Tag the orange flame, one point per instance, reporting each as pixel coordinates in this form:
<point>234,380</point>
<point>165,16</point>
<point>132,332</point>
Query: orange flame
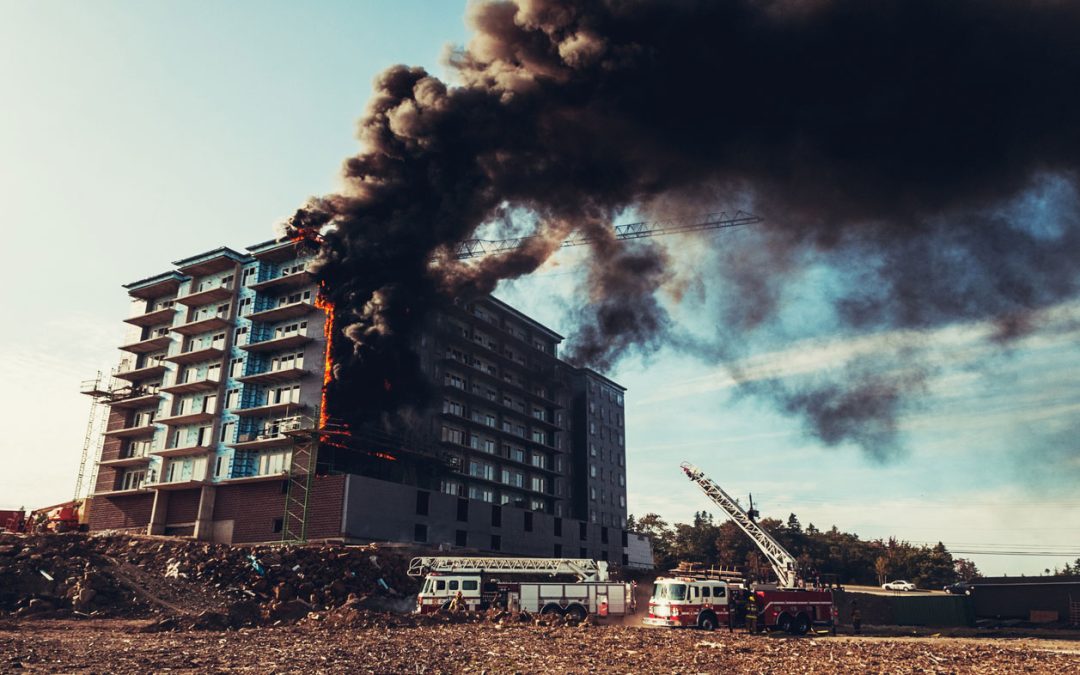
<point>324,303</point>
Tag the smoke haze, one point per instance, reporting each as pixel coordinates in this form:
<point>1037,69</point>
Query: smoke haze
<point>924,153</point>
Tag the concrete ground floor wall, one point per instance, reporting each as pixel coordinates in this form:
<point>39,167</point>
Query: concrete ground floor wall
<point>379,510</point>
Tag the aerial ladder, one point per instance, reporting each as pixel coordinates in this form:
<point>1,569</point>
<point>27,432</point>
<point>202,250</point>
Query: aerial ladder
<point>783,563</point>
<point>584,569</point>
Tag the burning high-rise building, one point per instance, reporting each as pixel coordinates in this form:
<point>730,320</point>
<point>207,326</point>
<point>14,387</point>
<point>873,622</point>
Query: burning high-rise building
<point>219,428</point>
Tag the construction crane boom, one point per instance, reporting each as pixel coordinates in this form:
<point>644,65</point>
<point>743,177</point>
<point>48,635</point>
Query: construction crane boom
<point>584,569</point>
<point>783,563</point>
<point>475,248</point>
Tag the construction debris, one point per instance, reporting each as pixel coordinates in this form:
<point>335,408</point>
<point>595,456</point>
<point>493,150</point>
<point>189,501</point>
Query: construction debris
<point>192,584</point>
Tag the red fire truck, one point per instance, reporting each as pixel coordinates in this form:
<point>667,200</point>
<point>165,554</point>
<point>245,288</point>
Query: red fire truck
<point>695,599</point>
<point>530,584</point>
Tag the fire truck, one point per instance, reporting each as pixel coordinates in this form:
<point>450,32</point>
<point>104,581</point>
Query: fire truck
<point>705,601</point>
<point>569,587</point>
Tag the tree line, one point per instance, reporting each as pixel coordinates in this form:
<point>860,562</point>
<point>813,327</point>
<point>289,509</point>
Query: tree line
<point>831,555</point>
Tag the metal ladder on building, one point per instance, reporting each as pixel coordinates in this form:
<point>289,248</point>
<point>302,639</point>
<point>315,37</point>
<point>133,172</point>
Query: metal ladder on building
<point>298,492</point>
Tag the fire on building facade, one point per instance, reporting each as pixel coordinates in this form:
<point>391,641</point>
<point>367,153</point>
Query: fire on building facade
<point>214,428</point>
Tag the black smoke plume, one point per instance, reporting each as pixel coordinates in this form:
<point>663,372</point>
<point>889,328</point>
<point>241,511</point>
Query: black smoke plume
<point>896,141</point>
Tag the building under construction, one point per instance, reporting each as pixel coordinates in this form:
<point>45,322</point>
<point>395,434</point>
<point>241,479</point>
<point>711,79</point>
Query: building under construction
<point>214,424</point>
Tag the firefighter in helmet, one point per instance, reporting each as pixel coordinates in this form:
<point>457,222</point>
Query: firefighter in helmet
<point>751,612</point>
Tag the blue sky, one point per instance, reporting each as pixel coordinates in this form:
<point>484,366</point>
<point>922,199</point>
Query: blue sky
<point>133,134</point>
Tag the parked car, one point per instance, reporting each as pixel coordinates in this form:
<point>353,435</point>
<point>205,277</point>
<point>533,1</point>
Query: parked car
<point>959,588</point>
<point>898,585</point>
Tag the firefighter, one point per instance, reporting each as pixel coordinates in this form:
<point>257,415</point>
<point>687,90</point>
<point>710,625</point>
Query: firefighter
<point>457,604</point>
<point>751,613</point>
<point>856,617</point>
<point>835,618</point>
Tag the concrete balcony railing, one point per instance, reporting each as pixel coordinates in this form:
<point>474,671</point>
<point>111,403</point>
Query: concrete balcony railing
<point>192,385</point>
<point>154,317</point>
<point>207,296</point>
<point>275,434</point>
<point>127,370</point>
<point>291,310</point>
<point>198,354</point>
<point>274,343</point>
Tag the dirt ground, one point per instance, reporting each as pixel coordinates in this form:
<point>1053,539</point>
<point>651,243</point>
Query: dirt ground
<point>117,646</point>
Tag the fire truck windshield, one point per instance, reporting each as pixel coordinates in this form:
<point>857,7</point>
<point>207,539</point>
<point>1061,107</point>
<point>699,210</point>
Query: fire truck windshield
<point>669,592</point>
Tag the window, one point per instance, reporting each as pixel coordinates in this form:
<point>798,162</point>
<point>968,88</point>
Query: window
<point>496,516</point>
<point>517,454</point>
<point>622,501</point>
<point>279,524</point>
<point>236,367</point>
<point>220,467</point>
<point>483,494</point>
<point>539,460</point>
<point>450,487</point>
<point>132,479</point>
<point>603,535</point>
<point>420,532</point>
<point>422,499</point>
<point>583,531</point>
<point>539,437</point>
<point>481,470</point>
<point>592,428</point>
<point>286,394</point>
<point>592,493</point>
<point>706,592</point>
<point>273,462</point>
<point>537,484</point>
<point>592,471</point>
<point>528,522</point>
<point>496,543</point>
<point>463,510</point>
<point>451,435</point>
<point>249,272</point>
<point>455,381</point>
<point>558,527</point>
<point>489,446</point>
<point>461,538</point>
<point>592,449</point>
<point>453,408</point>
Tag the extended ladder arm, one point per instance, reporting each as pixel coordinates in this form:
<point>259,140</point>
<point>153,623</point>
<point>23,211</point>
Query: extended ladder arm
<point>583,569</point>
<point>783,564</point>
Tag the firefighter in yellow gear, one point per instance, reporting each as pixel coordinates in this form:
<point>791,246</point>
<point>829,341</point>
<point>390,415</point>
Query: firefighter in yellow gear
<point>457,604</point>
<point>751,613</point>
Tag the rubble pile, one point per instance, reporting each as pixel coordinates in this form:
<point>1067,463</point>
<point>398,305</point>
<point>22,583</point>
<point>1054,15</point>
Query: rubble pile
<point>194,584</point>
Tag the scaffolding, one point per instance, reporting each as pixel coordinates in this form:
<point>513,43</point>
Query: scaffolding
<point>301,472</point>
<point>99,390</point>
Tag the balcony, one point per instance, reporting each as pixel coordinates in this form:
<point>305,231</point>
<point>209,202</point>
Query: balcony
<point>178,452</point>
<point>123,492</point>
<point>199,417</point>
<point>273,435</point>
<point>211,262</point>
<point>196,355</point>
<point>182,484</point>
<point>288,341</point>
<point>153,344</point>
<point>271,410</point>
<point>207,296</point>
<point>289,311</point>
<point>202,325</point>
<point>128,398</point>
<point>285,282</point>
<point>260,478</point>
<point>191,386</point>
<point>152,318</point>
<point>143,431</point>
<point>126,372</point>
<point>272,376</point>
<point>119,462</point>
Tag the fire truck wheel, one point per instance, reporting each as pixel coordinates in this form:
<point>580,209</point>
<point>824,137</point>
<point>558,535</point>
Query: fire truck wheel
<point>783,622</point>
<point>707,621</point>
<point>801,625</point>
<point>552,609</point>
<point>576,613</point>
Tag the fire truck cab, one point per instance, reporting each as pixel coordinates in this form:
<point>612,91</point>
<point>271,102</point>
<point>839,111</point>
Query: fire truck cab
<point>686,601</point>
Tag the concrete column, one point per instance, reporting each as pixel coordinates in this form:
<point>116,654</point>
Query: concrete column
<point>157,513</point>
<point>204,520</point>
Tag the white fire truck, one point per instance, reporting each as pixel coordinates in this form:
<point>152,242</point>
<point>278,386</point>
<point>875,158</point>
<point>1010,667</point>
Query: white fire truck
<point>696,600</point>
<point>530,584</point>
